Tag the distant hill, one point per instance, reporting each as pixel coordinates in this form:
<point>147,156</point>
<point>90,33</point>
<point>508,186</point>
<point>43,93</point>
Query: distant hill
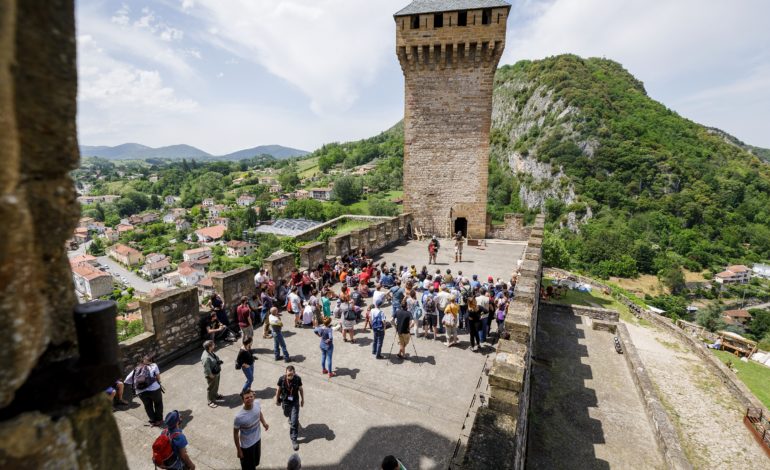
<point>138,151</point>
<point>132,151</point>
<point>760,152</point>
<point>278,151</point>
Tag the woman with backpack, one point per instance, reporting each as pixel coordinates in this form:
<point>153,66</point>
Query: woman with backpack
<point>146,380</point>
<point>348,320</point>
<point>327,345</point>
<point>474,323</point>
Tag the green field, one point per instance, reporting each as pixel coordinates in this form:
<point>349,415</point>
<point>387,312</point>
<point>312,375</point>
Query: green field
<point>350,225</point>
<point>755,376</point>
<point>595,298</point>
<point>307,168</point>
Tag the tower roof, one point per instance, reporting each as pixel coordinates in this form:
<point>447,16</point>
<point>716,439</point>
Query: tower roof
<point>435,6</point>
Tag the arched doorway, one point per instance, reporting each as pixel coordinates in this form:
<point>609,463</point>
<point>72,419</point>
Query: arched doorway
<point>461,225</point>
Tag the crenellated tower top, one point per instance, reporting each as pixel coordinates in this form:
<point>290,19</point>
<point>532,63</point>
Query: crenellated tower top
<point>451,33</point>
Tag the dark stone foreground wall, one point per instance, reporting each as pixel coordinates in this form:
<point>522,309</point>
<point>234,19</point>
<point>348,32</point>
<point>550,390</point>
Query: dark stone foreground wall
<point>38,149</point>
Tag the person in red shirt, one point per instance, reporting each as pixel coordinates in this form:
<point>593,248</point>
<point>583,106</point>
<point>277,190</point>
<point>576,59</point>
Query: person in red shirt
<point>244,318</point>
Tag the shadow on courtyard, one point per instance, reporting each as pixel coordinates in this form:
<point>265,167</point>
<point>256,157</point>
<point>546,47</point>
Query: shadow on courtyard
<point>562,434</point>
<point>416,447</point>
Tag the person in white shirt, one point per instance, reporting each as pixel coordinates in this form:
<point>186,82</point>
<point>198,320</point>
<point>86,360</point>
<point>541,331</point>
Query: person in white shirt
<point>146,381</point>
<point>296,306</point>
<point>247,433</point>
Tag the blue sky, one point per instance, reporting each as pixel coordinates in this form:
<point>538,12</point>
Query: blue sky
<point>223,75</point>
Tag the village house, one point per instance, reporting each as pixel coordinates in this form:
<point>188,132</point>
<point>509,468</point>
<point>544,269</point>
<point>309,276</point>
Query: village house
<point>237,248</point>
<point>208,202</point>
<point>156,268</point>
<point>110,235</point>
<point>188,275</point>
<point>153,178</point>
<point>736,317</point>
<point>125,255</point>
<point>278,203</point>
<point>321,194</point>
<point>218,221</point>
<point>85,222</point>
<point>97,227</point>
<point>196,253</point>
<point>94,199</point>
<point>123,228</point>
<point>182,224</point>
<point>211,234</point>
<point>736,274</point>
<point>217,210</point>
<point>301,194</point>
<point>275,188</point>
<point>146,218</point>
<point>84,258</point>
<point>90,282</point>
<point>245,200</point>
<point>154,257</point>
<point>169,200</point>
<point>80,235</point>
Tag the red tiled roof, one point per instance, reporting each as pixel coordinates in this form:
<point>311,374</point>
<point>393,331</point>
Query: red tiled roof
<point>737,313</point>
<point>125,250</point>
<point>88,272</point>
<point>737,268</point>
<point>214,232</point>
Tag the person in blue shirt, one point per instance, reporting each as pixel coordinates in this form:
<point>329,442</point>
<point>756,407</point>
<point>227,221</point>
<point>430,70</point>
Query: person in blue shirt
<point>178,442</point>
<point>327,345</point>
<point>397,294</point>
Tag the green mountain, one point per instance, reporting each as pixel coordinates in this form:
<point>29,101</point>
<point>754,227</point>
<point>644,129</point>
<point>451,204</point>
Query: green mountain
<point>627,184</point>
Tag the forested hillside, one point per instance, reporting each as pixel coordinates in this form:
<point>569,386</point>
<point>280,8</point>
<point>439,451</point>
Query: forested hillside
<point>581,140</point>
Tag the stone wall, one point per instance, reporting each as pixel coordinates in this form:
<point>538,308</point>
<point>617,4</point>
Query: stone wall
<point>38,149</point>
<point>359,239</point>
<point>591,312</point>
<point>171,322</point>
<point>234,284</point>
<point>340,245</point>
<point>279,265</point>
<point>311,255</point>
<point>313,232</point>
<point>513,228</point>
<point>507,416</point>
<point>448,74</point>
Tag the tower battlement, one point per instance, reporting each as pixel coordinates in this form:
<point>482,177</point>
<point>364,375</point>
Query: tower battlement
<point>449,50</point>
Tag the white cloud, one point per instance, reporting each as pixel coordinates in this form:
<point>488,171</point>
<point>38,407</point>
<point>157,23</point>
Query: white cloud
<point>329,49</point>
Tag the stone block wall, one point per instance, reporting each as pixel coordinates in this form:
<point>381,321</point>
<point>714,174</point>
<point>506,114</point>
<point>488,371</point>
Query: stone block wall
<point>279,265</point>
<point>602,314</point>
<point>171,322</point>
<point>234,284</point>
<point>449,74</point>
<point>312,254</point>
<point>360,239</point>
<point>507,415</point>
<point>339,245</point>
<point>38,149</point>
<point>513,228</point>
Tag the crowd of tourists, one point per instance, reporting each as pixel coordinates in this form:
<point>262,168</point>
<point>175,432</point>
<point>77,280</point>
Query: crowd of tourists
<point>335,296</point>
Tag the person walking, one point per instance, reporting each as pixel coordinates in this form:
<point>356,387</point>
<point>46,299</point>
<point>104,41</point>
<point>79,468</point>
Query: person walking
<point>432,250</point>
<point>459,240</point>
<point>378,330</point>
<point>146,381</point>
<point>212,367</point>
<point>247,433</point>
<point>404,324</point>
<point>482,300</point>
<point>279,344</point>
<point>451,313</point>
<point>245,362</point>
<point>175,457</point>
<point>244,318</point>
<point>267,301</point>
<point>430,313</point>
<point>327,345</point>
<point>291,397</point>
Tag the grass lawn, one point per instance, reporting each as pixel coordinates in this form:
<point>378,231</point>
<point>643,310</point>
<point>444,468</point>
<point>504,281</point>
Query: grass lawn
<point>755,376</point>
<point>350,225</point>
<point>307,168</point>
<point>595,298</point>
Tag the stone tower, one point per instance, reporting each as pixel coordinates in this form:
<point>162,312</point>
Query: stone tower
<point>448,50</point>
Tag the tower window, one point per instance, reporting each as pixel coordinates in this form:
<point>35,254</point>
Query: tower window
<point>438,20</point>
<point>415,21</point>
<point>462,18</point>
<point>486,16</point>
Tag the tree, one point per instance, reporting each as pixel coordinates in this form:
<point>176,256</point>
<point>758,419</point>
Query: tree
<point>250,218</point>
<point>555,252</point>
<point>96,248</point>
<point>305,209</point>
<point>382,207</point>
<point>264,211</point>
<point>710,318</point>
<point>155,202</point>
<point>347,190</point>
<point>759,326</point>
<point>288,177</point>
<point>673,278</point>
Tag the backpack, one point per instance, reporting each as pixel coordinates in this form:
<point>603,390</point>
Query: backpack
<point>377,322</point>
<point>430,304</point>
<point>142,377</point>
<point>163,453</point>
<point>417,312</point>
<point>350,314</point>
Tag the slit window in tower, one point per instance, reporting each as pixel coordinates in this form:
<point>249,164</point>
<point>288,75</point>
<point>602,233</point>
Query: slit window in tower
<point>415,21</point>
<point>438,20</point>
<point>486,16</point>
<point>462,18</point>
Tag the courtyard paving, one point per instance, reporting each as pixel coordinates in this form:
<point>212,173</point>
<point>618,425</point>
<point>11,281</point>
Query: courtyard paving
<point>420,409</point>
